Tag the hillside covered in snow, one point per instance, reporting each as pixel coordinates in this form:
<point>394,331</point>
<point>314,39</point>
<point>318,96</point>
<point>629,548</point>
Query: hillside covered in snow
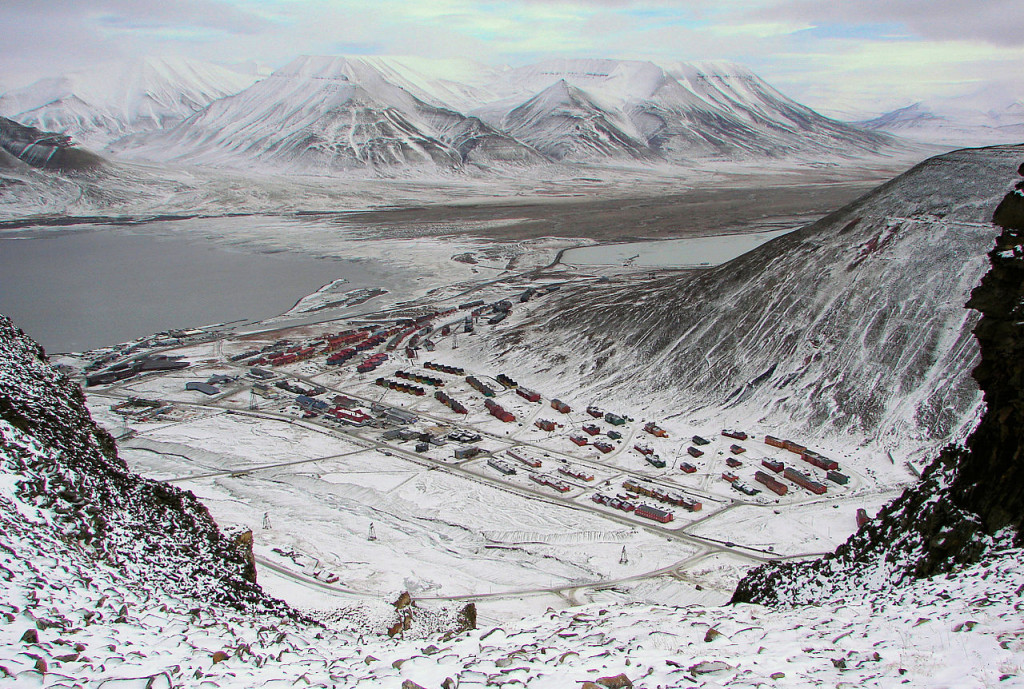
<point>853,326</point>
<point>970,500</point>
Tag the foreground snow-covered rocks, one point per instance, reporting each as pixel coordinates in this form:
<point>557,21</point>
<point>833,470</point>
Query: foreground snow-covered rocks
<point>73,614</point>
<point>65,621</point>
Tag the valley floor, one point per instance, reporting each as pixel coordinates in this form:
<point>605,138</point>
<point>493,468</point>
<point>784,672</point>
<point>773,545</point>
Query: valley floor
<point>447,528</point>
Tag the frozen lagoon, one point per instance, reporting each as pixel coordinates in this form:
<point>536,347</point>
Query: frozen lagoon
<point>695,252</point>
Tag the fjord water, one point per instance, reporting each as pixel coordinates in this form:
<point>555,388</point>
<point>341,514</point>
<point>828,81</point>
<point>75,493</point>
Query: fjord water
<point>85,287</point>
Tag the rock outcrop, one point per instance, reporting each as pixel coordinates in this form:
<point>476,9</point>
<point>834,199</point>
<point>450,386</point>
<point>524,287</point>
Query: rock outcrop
<point>64,468</point>
<point>46,150</point>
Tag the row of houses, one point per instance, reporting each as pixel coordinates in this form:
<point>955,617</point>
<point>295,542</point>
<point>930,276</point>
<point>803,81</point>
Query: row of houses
<point>450,402</point>
<point>658,493</point>
<point>400,386</point>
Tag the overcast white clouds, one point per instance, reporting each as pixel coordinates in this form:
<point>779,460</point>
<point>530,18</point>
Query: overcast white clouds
<point>865,55</point>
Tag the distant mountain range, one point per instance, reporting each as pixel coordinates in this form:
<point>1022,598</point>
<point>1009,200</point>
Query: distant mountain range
<point>99,105</point>
<point>330,113</point>
<point>954,123</point>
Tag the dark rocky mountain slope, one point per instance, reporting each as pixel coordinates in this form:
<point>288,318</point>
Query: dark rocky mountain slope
<point>971,497</point>
<point>61,468</point>
<point>46,150</point>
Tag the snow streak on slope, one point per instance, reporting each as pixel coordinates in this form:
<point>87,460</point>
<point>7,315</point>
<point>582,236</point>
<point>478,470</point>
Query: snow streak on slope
<point>100,105</point>
<point>853,325</point>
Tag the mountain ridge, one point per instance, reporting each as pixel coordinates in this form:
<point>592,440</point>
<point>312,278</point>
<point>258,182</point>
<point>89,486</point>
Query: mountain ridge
<point>102,104</point>
<point>607,109</point>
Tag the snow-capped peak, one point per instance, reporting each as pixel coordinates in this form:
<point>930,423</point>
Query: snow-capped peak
<point>103,103</point>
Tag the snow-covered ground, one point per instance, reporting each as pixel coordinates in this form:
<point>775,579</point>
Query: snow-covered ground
<point>88,629</point>
<point>445,528</point>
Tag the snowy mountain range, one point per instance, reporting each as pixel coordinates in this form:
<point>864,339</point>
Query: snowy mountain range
<point>328,112</point>
<point>956,122</point>
<point>99,105</point>
<point>321,112</point>
<point>630,108</point>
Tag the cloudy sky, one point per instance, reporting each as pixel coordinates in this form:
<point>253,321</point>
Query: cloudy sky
<point>844,57</point>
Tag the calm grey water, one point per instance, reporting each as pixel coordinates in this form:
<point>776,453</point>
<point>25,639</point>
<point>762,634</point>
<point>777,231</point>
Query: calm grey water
<point>86,288</point>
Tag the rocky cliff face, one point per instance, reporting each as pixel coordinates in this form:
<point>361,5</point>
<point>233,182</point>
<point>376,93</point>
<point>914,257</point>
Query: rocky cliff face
<point>62,473</point>
<point>970,498</point>
<point>46,150</point>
